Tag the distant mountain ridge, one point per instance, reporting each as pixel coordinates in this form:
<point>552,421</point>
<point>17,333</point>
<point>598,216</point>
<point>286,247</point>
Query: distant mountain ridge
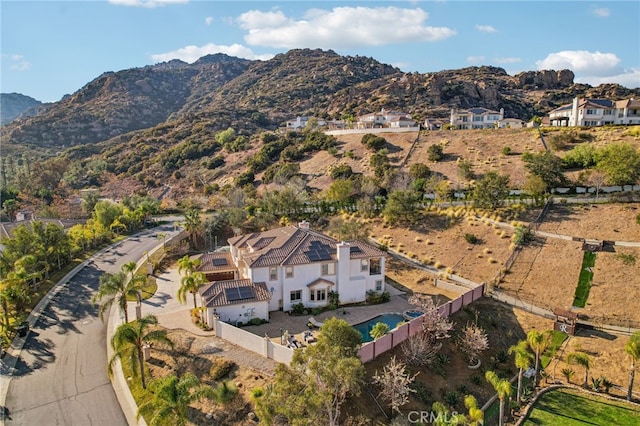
<point>223,91</point>
<point>14,105</point>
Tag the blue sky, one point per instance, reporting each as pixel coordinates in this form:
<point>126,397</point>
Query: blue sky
<point>52,48</point>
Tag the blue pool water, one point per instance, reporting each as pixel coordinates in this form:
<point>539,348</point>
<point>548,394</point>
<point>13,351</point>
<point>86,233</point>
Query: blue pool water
<point>365,327</point>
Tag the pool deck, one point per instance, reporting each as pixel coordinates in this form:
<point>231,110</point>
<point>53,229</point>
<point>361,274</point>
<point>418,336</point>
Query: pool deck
<point>352,314</point>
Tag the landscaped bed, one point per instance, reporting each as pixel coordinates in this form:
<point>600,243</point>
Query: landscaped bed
<point>571,407</point>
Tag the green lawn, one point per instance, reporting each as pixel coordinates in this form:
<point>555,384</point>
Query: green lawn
<point>566,407</point>
<point>558,337</point>
<point>584,280</point>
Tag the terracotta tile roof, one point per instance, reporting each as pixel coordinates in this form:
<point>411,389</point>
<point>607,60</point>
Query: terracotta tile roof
<point>216,262</point>
<point>214,293</point>
<point>291,245</point>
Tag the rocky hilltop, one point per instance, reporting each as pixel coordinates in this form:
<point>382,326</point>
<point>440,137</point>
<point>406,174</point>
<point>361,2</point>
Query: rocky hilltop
<point>250,95</point>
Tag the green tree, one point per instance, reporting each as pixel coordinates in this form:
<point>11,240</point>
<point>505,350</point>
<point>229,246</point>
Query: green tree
<point>128,343</point>
<point>435,153</point>
<point>502,388</point>
<point>538,342</point>
<point>465,170</point>
<point>401,206</point>
<point>419,170</point>
<point>171,398</point>
<point>632,347</point>
<point>118,288</point>
<point>314,387</point>
<point>583,361</point>
<point>522,361</point>
<point>337,332</point>
<point>380,162</point>
<point>341,191</point>
<point>621,162</point>
<point>106,212</point>
<point>546,166</point>
<point>491,191</point>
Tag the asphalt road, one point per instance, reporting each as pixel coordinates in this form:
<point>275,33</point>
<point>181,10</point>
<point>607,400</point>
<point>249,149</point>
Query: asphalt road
<point>60,377</point>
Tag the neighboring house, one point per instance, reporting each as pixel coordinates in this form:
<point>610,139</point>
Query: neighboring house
<point>510,123</point>
<point>596,112</point>
<point>296,265</point>
<point>434,123</point>
<point>301,122</point>
<point>475,118</point>
<point>384,118</point>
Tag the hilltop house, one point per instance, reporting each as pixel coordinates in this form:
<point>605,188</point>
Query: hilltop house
<point>510,123</point>
<point>596,112</point>
<point>475,118</point>
<point>275,269</point>
<point>384,118</point>
<point>301,122</point>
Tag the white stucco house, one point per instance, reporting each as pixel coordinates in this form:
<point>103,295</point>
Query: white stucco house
<point>475,118</point>
<point>596,112</point>
<point>291,264</point>
<point>385,118</point>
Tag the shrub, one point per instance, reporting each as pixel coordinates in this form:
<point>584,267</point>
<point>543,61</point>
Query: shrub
<point>435,153</point>
<point>423,394</point>
<point>451,398</point>
<point>375,298</point>
<point>471,238</point>
<point>373,142</point>
<point>506,150</point>
<point>221,368</point>
<point>341,171</point>
<point>297,308</point>
<point>256,321</point>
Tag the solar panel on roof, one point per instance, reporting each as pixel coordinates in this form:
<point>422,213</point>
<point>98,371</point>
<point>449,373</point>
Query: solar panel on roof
<point>312,256</point>
<point>246,292</point>
<point>324,255</point>
<point>220,262</point>
<point>232,294</point>
<point>355,250</point>
<point>239,293</point>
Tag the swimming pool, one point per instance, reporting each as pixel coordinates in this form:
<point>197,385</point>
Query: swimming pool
<point>364,328</point>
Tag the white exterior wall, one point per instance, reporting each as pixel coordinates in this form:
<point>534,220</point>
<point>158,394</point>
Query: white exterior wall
<point>303,275</point>
<point>241,312</point>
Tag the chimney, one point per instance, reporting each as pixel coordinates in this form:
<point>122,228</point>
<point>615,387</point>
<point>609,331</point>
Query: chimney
<point>303,225</point>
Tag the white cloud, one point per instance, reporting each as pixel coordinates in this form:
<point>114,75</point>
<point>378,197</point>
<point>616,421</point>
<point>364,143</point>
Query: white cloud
<point>341,27</point>
<point>208,20</point>
<point>146,3</point>
<point>601,12</point>
<point>628,78</point>
<point>191,54</point>
<point>475,60</point>
<point>486,29</point>
<point>511,60</point>
<point>17,62</point>
<point>592,68</point>
<point>581,62</point>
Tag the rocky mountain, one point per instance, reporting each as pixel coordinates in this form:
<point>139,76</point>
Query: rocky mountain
<point>159,123</point>
<point>14,105</point>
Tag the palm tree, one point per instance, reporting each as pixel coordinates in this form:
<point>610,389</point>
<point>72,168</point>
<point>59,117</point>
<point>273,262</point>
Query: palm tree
<point>118,288</point>
<point>188,265</point>
<point>538,342</point>
<point>129,340</point>
<point>171,398</point>
<point>632,347</point>
<point>583,361</point>
<point>192,224</point>
<point>502,388</point>
<point>522,361</point>
<point>190,283</point>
